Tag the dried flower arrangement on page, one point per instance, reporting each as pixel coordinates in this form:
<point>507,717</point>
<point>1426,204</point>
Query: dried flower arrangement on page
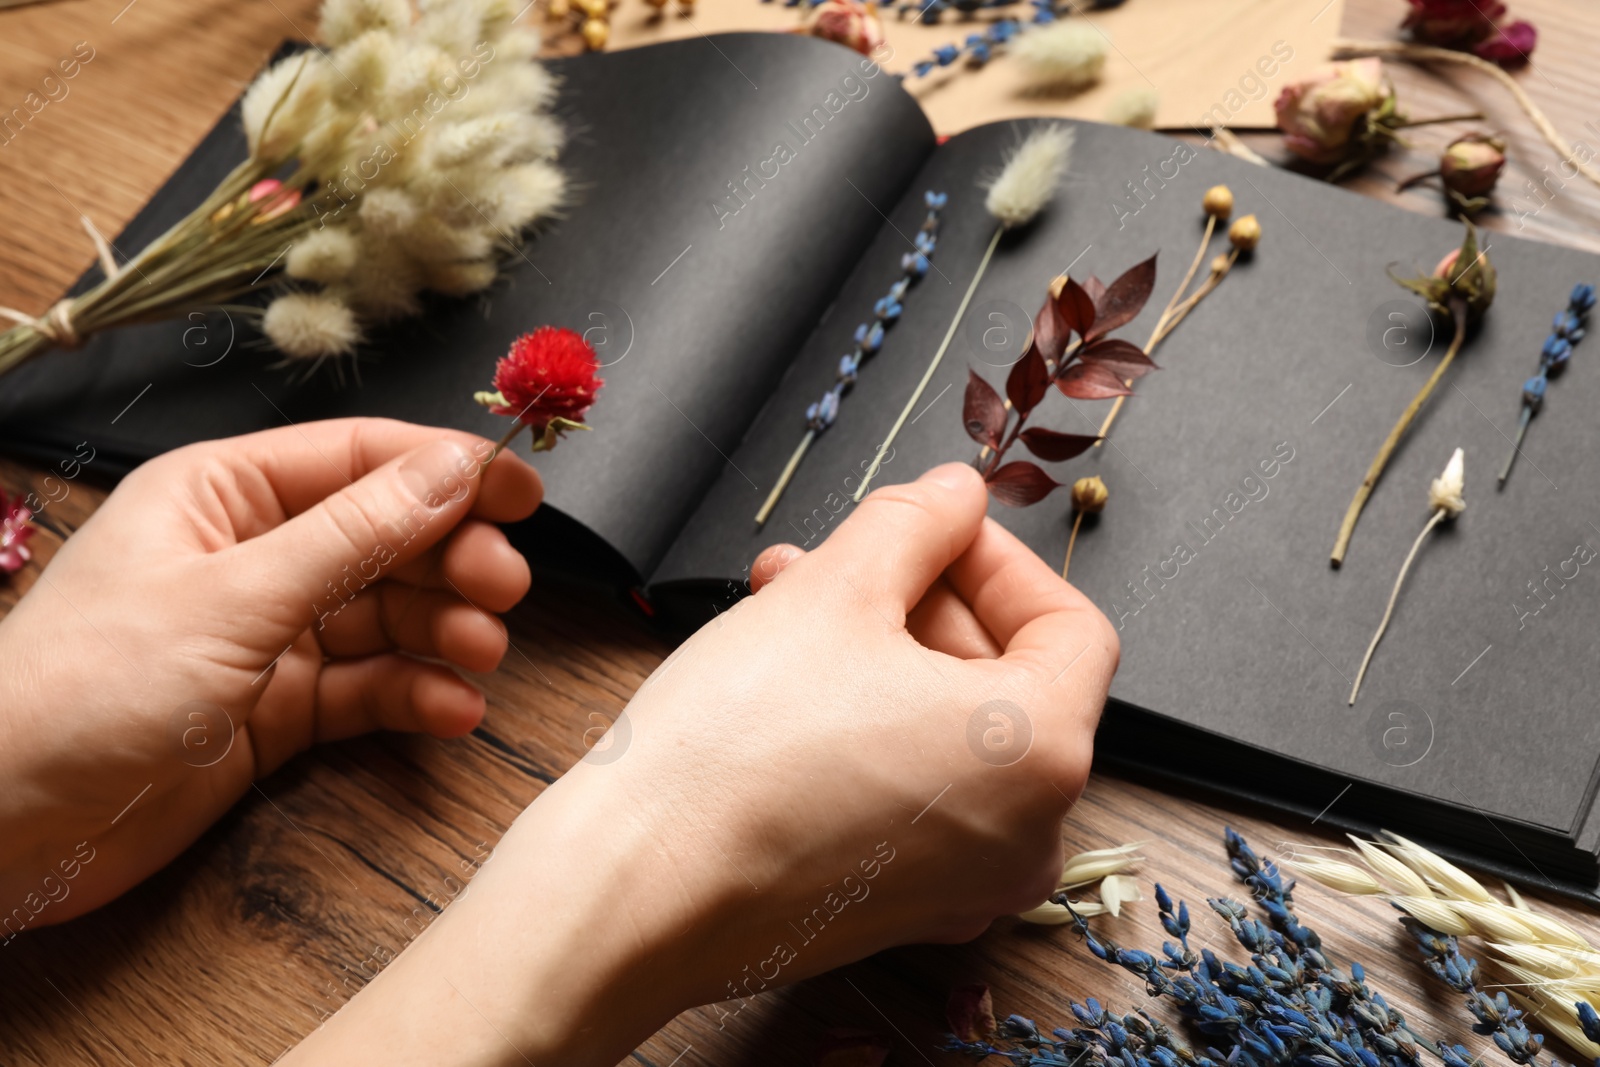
<point>409,156</point>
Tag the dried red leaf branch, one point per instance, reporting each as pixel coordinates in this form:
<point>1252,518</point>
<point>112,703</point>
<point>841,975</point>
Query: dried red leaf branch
<point>1092,367</point>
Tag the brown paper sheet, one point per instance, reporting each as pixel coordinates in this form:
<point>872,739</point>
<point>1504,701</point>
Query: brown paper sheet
<point>1209,61</point>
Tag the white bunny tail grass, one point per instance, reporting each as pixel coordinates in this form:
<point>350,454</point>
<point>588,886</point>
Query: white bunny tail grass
<point>1134,107</point>
<point>1061,57</point>
<point>310,326</point>
<point>1030,176</point>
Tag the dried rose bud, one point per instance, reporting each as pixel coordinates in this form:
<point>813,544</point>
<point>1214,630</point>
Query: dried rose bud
<point>1090,494</point>
<point>1340,114</point>
<point>850,23</point>
<point>1218,201</point>
<point>1472,164</point>
<point>1245,233</point>
<point>1464,274</point>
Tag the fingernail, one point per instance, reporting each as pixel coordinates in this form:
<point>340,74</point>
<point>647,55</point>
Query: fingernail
<point>951,475</point>
<point>439,473</point>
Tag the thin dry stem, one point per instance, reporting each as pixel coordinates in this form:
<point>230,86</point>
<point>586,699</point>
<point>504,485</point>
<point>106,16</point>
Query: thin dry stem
<point>1438,517</point>
<point>1072,540</point>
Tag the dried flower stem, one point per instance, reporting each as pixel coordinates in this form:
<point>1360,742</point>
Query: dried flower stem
<point>933,366</point>
<point>1173,314</point>
<point>1438,517</point>
<point>1077,521</point>
<point>1458,312</point>
<point>783,479</point>
<point>1417,53</point>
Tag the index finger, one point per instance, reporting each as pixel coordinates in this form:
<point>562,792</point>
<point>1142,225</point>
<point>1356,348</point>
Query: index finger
<point>304,463</point>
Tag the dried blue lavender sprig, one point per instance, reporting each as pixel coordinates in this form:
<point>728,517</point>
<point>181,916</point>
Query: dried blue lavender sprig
<point>868,340</point>
<point>1289,1007</point>
<point>1567,330</point>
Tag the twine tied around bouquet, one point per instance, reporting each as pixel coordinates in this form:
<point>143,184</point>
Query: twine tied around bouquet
<point>56,325</point>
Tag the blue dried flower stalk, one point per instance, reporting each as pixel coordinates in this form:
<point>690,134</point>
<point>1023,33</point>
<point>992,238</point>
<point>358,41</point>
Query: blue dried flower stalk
<point>979,48</point>
<point>1288,1007</point>
<point>868,340</point>
<point>1567,330</point>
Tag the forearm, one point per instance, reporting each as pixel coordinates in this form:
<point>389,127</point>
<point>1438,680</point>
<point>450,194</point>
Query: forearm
<point>566,948</point>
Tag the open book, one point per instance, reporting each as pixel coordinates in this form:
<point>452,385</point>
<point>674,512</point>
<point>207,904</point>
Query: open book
<point>742,203</point>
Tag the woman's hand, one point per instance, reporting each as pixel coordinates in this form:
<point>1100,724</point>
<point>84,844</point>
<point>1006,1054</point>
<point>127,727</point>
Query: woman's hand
<point>230,604</point>
<point>804,782</point>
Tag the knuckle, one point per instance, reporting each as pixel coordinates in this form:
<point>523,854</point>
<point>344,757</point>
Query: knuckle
<point>352,519</point>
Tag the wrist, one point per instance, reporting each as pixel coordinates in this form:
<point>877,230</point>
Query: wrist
<point>572,944</point>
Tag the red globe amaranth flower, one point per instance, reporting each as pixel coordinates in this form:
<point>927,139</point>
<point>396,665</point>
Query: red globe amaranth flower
<point>548,374</point>
<point>1509,45</point>
<point>16,528</point>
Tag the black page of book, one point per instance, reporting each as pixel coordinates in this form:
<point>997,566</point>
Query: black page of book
<point>1255,638</point>
<point>696,309</point>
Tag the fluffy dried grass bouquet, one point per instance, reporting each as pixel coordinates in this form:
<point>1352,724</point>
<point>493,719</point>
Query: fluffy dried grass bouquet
<point>407,156</point>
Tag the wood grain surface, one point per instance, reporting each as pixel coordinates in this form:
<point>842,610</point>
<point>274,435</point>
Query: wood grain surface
<point>296,898</point>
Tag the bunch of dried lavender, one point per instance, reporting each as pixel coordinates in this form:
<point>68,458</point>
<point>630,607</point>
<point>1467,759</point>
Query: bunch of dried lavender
<point>1289,1007</point>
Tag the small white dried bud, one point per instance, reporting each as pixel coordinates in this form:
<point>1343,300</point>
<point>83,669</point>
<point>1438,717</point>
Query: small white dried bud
<point>310,326</point>
<point>1445,492</point>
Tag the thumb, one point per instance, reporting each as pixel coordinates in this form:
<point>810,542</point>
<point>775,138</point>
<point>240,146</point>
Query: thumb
<point>324,556</point>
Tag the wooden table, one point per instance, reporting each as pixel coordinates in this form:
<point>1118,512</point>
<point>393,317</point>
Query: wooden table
<point>295,899</point>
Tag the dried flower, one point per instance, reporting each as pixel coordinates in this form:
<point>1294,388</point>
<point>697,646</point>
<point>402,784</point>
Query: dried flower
<point>1446,502</point>
<point>1064,56</point>
<point>1218,202</point>
<point>868,340</point>
<point>311,326</point>
<point>547,381</point>
<point>16,529</point>
<point>1567,330</point>
<point>849,22</point>
<point>1090,494</point>
<point>1344,112</point>
<point>1472,26</point>
<point>1471,164</point>
<point>1025,185</point>
<point>1245,233</point>
<point>423,138</point>
<point>1288,1004</point>
<point>1030,176</point>
<point>1509,46</point>
<point>1085,869</point>
<point>1135,107</point>
<point>1462,292</point>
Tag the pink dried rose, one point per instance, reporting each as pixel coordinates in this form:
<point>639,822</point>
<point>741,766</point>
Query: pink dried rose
<point>1472,26</point>
<point>850,23</point>
<point>1344,112</point>
<point>1458,24</point>
<point>16,527</point>
<point>1509,45</point>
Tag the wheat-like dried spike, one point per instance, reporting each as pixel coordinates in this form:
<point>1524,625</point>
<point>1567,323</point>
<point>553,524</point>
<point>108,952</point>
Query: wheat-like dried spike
<point>1438,914</point>
<point>1390,869</point>
<point>1440,872</point>
<point>1336,874</point>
